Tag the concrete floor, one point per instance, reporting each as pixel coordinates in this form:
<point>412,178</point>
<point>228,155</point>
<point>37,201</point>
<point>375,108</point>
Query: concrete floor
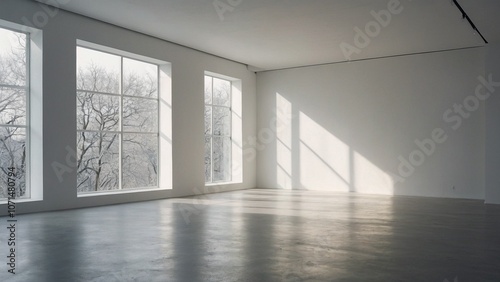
<point>262,235</point>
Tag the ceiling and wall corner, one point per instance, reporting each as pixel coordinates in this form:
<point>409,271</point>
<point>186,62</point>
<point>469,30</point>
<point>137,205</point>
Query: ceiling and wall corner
<point>289,33</point>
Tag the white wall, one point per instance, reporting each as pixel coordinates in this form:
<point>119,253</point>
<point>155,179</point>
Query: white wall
<point>343,127</point>
<point>59,117</point>
<point>493,128</point>
<point>340,127</point>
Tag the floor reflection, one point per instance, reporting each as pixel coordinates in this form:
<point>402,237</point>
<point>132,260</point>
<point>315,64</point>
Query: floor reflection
<point>264,235</point>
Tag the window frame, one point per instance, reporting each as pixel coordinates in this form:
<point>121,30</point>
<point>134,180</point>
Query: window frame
<point>160,65</point>
<point>34,111</point>
<point>222,137</point>
<point>27,95</point>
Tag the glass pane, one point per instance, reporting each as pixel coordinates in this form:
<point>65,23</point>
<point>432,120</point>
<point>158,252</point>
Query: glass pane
<point>98,161</point>
<point>208,90</point>
<point>140,115</point>
<point>208,120</point>
<point>140,78</point>
<point>12,58</point>
<point>12,106</point>
<point>13,155</point>
<point>97,112</point>
<point>208,159</point>
<point>222,92</point>
<point>221,159</point>
<point>98,71</point>
<point>140,160</point>
<point>222,121</point>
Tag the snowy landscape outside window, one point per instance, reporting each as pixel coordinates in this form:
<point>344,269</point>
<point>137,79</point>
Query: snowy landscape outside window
<point>217,130</point>
<point>117,122</point>
<point>14,110</point>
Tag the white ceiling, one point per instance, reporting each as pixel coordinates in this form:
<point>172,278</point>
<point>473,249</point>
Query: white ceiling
<point>287,33</point>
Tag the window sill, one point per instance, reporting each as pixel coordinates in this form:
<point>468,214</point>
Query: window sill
<point>222,183</point>
<point>120,192</point>
<point>18,201</point>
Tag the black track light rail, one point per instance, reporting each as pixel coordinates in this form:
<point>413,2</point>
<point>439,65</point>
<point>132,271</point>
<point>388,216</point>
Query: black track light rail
<point>465,16</point>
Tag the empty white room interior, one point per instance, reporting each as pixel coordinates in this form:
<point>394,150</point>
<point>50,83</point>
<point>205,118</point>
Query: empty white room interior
<point>249,140</point>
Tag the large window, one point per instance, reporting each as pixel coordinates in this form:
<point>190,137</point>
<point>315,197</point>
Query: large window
<point>218,130</point>
<point>14,111</point>
<point>117,122</point>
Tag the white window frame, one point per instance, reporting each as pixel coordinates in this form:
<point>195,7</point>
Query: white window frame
<point>235,124</point>
<point>164,131</point>
<point>34,111</point>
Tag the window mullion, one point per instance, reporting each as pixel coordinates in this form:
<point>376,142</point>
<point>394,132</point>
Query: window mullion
<point>120,139</point>
<point>212,133</point>
<point>158,124</point>
<point>230,168</point>
<point>14,125</point>
<point>97,92</point>
<point>22,87</point>
<point>27,83</point>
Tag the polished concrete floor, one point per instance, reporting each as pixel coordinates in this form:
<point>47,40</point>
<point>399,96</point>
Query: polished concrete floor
<point>262,235</point>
